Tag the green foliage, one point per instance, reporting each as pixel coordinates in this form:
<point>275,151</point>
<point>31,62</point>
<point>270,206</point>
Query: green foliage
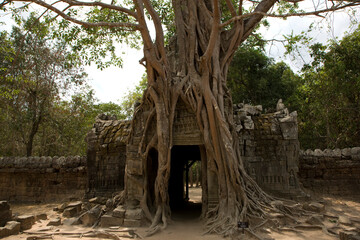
<point>6,57</point>
<point>295,44</point>
<point>287,7</point>
<point>34,74</point>
<point>326,96</point>
<point>64,132</point>
<point>70,121</point>
<point>331,92</point>
<point>132,98</point>
<point>254,78</point>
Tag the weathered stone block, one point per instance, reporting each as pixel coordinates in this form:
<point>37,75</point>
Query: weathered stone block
<point>349,236</point>
<point>318,153</point>
<point>71,221</point>
<point>119,212</point>
<point>248,123</point>
<point>88,219</point>
<point>135,214</point>
<point>132,223</point>
<point>109,221</point>
<point>54,222</point>
<point>41,216</point>
<point>346,152</point>
<point>355,151</point>
<point>60,208</point>
<point>252,110</point>
<point>5,213</point>
<point>289,130</point>
<point>77,205</point>
<point>135,188</point>
<point>70,212</point>
<point>26,221</point>
<point>11,228</point>
<point>134,167</point>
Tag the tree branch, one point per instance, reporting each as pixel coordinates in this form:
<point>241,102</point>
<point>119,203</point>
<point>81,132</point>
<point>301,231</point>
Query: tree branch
<point>231,8</point>
<point>157,23</point>
<point>4,3</point>
<point>314,13</point>
<point>149,50</point>
<point>214,31</point>
<point>100,4</point>
<point>130,26</point>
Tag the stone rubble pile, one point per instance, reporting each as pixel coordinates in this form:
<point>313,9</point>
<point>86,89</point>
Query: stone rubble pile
<point>95,212</point>
<point>12,225</point>
<point>99,212</point>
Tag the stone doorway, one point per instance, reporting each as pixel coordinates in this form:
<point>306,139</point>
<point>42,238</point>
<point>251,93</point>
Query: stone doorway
<point>183,158</point>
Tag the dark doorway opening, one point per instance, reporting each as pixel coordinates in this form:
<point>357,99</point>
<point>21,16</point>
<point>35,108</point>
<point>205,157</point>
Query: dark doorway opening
<point>151,168</point>
<point>182,203</point>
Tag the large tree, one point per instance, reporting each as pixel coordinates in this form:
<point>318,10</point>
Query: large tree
<point>331,91</point>
<point>192,68</point>
<point>255,78</point>
<point>34,74</point>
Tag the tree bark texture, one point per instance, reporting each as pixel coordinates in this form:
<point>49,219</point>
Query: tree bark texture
<point>194,69</point>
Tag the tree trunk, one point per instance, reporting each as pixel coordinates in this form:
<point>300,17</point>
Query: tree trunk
<point>196,72</point>
<point>29,146</point>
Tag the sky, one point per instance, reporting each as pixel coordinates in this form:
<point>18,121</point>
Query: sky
<point>113,83</point>
<point>335,26</point>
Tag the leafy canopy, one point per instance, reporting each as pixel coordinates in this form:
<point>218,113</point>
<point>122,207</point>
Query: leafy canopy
<point>331,94</point>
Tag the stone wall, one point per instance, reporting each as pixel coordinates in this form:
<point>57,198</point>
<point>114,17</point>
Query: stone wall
<point>106,156</point>
<point>42,179</point>
<point>269,147</point>
<point>335,172</point>
<point>268,142</point>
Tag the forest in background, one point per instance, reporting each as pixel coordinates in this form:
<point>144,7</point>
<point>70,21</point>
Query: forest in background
<point>47,108</point>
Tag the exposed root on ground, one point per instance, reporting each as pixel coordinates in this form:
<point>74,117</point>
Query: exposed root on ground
<point>103,234</point>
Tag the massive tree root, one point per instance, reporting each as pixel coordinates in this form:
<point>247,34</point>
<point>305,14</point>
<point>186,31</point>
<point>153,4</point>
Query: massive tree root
<point>193,70</point>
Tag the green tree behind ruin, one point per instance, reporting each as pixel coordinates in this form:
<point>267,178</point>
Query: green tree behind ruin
<point>37,115</point>
<point>257,79</point>
<point>34,74</point>
<point>330,95</point>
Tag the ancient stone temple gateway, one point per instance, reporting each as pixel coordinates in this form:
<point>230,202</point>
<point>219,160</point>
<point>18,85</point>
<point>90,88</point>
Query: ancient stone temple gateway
<point>268,142</point>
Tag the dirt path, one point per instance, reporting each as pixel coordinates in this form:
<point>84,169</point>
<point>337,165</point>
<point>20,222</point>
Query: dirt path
<point>340,215</point>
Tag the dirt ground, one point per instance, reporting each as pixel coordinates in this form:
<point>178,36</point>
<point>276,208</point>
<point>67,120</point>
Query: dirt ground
<point>339,215</point>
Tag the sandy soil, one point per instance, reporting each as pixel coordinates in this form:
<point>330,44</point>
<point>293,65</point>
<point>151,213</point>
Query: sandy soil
<point>192,229</point>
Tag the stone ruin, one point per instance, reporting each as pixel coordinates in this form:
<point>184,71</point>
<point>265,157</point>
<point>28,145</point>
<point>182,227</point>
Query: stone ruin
<point>42,179</point>
<point>106,156</point>
<point>269,148</point>
<point>331,172</point>
<point>268,142</point>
